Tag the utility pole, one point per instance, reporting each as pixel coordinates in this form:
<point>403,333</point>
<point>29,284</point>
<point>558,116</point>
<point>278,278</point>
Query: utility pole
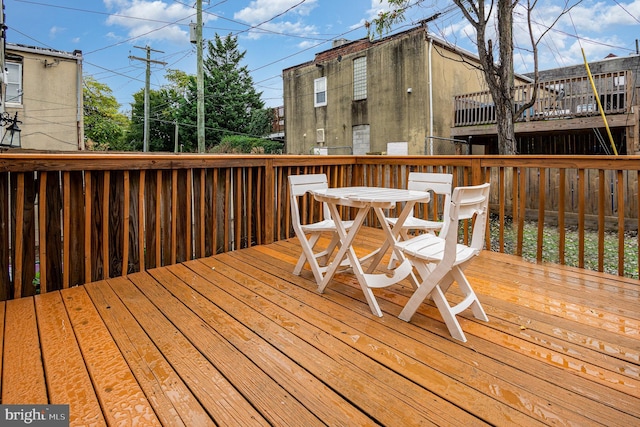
<point>148,60</point>
<point>200,80</point>
<point>175,137</point>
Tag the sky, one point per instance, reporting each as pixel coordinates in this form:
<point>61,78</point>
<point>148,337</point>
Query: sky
<point>277,34</point>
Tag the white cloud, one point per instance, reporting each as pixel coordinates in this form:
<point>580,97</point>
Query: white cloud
<point>595,26</point>
<point>153,20</point>
<point>592,26</point>
<point>600,17</point>
<point>263,12</point>
<point>306,45</point>
<point>377,6</point>
<point>372,13</point>
<point>54,31</point>
<point>295,28</point>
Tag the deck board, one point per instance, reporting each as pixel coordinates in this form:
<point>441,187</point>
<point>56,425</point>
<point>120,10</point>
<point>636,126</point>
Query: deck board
<point>327,405</point>
<point>238,369</point>
<point>567,405</point>
<point>237,339</point>
<point>370,339</point>
<point>117,389</point>
<point>21,355</point>
<point>217,394</point>
<point>67,377</point>
<point>173,401</point>
<point>374,388</point>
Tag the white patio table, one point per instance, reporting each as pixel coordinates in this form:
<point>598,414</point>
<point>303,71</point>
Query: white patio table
<point>363,199</point>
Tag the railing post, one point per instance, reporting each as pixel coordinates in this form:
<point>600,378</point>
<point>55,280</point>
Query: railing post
<point>633,132</point>
<point>269,200</point>
<point>477,177</point>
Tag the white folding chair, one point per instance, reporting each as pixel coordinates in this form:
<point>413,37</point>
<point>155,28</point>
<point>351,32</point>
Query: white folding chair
<point>439,184</point>
<point>441,260</point>
<point>299,185</point>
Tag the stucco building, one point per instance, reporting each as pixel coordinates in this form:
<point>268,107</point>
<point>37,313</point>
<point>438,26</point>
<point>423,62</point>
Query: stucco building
<point>359,96</point>
<point>44,88</point>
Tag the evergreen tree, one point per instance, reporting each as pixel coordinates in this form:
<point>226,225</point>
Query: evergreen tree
<point>232,105</point>
<point>260,123</point>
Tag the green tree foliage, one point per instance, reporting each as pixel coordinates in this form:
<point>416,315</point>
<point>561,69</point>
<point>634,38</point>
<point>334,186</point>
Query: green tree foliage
<point>164,114</point>
<point>232,105</point>
<point>104,125</point>
<point>260,123</point>
<point>240,144</point>
<point>161,121</point>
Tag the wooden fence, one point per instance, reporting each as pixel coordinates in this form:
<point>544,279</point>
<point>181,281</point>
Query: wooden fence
<point>68,219</point>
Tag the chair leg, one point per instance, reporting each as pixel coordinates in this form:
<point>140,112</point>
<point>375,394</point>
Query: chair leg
<point>471,299</point>
<point>448,312</point>
<point>324,256</point>
<point>300,264</point>
<point>423,291</point>
<point>404,234</point>
<point>392,261</point>
<point>308,256</point>
<point>447,315</point>
<point>303,256</point>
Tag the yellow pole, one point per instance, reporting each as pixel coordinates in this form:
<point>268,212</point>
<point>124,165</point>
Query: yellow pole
<point>595,92</point>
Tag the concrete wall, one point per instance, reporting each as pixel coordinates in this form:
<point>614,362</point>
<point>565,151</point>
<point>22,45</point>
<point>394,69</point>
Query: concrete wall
<point>452,75</point>
<point>397,107</point>
<point>51,100</point>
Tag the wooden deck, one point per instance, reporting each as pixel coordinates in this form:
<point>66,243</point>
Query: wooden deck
<point>238,340</point>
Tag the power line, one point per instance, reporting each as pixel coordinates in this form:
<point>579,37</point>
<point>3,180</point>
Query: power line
<point>450,10</point>
<point>628,13</point>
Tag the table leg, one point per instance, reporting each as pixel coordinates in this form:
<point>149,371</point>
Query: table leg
<point>391,237</point>
<point>346,249</point>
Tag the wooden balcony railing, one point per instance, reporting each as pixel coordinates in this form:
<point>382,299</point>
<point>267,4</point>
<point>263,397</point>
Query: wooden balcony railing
<point>70,219</point>
<point>562,98</point>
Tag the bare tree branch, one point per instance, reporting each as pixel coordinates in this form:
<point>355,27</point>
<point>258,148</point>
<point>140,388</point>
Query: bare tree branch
<point>531,4</point>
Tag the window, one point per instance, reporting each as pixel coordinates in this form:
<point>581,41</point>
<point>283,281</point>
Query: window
<point>360,78</point>
<point>320,92</point>
<point>14,83</point>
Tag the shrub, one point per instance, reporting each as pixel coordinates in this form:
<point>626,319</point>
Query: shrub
<point>238,144</point>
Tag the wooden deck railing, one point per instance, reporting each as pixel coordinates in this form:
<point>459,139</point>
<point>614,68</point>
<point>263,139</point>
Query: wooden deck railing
<point>562,98</point>
<point>70,219</point>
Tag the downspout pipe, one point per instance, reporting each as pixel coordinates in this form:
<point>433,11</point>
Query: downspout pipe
<point>80,98</point>
<point>430,98</point>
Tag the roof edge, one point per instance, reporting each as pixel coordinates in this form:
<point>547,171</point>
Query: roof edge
<point>75,55</point>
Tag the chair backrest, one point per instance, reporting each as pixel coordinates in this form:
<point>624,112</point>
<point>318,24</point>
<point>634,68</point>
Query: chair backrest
<point>467,203</point>
<point>438,183</point>
<point>299,185</point>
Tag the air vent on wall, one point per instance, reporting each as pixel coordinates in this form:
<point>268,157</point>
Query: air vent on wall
<point>319,135</point>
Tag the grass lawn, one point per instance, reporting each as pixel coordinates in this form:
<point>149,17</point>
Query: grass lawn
<point>550,247</point>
